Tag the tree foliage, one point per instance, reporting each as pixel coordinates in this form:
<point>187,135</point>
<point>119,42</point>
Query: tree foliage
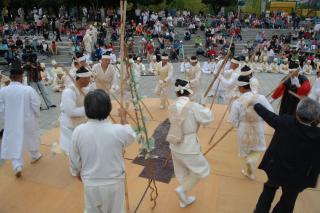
<point>216,5</point>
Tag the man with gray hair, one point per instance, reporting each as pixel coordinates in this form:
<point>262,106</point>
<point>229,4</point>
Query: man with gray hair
<point>292,160</point>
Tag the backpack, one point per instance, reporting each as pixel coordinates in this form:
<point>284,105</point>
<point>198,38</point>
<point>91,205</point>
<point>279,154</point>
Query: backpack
<point>175,134</point>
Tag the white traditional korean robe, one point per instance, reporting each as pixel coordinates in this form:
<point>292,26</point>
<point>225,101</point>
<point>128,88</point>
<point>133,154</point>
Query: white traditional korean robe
<point>207,68</point>
<point>70,109</point>
<point>254,85</point>
<point>193,75</point>
<point>230,85</point>
<point>152,67</point>
<point>307,69</point>
<point>106,80</point>
<point>187,156</point>
<point>140,68</point>
<point>87,40</point>
<point>250,125</point>
<point>58,84</point>
<point>184,66</point>
<point>315,90</point>
<point>284,68</point>
<point>20,110</point>
<point>274,67</point>
<point>97,154</point>
<point>164,74</point>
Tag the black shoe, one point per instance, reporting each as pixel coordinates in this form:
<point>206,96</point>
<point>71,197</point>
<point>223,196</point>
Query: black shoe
<point>53,106</point>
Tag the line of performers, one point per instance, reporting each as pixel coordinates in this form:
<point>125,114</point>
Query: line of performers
<point>248,111</point>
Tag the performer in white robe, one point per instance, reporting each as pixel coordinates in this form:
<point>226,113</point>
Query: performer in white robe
<point>254,82</point>
<point>20,110</point>
<point>96,156</point>
<point>164,72</point>
<point>193,75</point>
<point>231,90</point>
<point>284,68</point>
<point>106,75</point>
<point>208,67</point>
<point>58,82</point>
<point>140,68</point>
<point>72,110</point>
<point>315,90</point>
<point>153,65</point>
<point>185,65</point>
<point>274,67</point>
<point>307,68</point>
<point>87,40</point>
<point>190,166</point>
<point>251,139</point>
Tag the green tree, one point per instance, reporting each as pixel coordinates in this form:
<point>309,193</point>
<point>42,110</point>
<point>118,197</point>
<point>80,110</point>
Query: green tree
<point>216,5</point>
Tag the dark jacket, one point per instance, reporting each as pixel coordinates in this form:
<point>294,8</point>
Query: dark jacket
<point>293,156</point>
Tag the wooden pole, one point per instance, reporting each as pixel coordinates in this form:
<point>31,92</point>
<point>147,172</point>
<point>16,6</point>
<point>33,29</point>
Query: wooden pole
<point>220,122</point>
<point>218,141</point>
<point>225,60</point>
<point>281,82</point>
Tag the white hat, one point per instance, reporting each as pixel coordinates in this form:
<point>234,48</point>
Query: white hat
<point>58,72</point>
<point>43,65</point>
<point>83,73</point>
<point>138,59</point>
<point>154,57</point>
<point>285,60</point>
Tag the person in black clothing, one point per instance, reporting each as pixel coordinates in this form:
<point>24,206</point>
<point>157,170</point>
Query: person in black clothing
<point>292,160</point>
<point>298,84</point>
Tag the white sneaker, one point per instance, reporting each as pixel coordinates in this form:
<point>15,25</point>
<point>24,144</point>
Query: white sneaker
<point>35,160</point>
<point>18,172</point>
<point>182,195</point>
<point>190,199</point>
<point>250,176</point>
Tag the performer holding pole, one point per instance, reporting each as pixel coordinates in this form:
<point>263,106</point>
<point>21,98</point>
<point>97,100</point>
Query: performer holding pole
<point>296,83</point>
<point>251,139</point>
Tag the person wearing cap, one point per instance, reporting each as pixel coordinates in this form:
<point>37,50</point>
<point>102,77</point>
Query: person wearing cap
<point>315,90</point>
<point>251,139</point>
<point>72,110</point>
<point>274,67</point>
<point>185,65</point>
<point>164,71</point>
<point>44,75</point>
<point>297,83</point>
<point>292,159</point>
<point>254,82</point>
<point>153,65</point>
<point>20,110</point>
<point>208,66</point>
<point>307,68</point>
<point>140,68</point>
<point>96,156</point>
<point>231,89</point>
<point>190,166</point>
<point>106,75</point>
<point>193,75</point>
<point>284,68</point>
<point>265,57</point>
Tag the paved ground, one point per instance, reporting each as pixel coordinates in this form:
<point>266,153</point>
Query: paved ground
<point>49,117</point>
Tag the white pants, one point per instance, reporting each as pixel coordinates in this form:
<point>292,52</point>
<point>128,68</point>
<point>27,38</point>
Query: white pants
<point>18,162</point>
<point>107,198</point>
<point>189,164</point>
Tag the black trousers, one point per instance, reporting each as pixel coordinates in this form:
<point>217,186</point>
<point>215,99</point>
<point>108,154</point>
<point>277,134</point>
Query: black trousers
<point>286,202</point>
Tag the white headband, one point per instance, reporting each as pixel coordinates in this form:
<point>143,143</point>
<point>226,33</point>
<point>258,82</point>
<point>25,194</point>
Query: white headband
<point>164,57</point>
<point>242,83</point>
<point>292,70</point>
<point>182,88</point>
<point>234,61</point>
<point>84,74</point>
<point>245,73</point>
<point>193,61</point>
<point>106,57</point>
